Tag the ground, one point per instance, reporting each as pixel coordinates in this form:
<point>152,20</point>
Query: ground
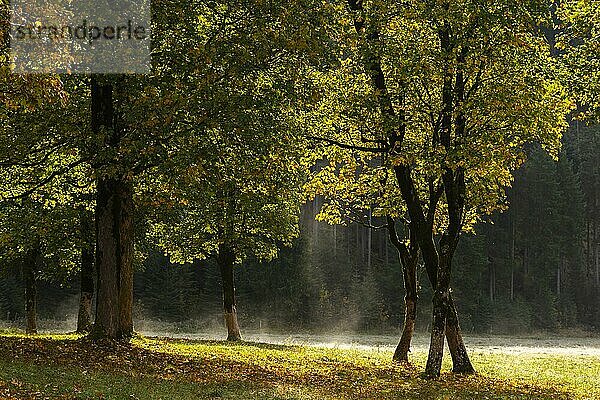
<point>70,367</point>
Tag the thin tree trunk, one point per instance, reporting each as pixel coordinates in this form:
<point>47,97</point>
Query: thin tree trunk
<point>348,240</point>
<point>335,242</point>
<point>558,277</point>
<point>512,255</point>
<point>382,239</point>
<point>86,274</point>
<point>363,244</point>
<point>226,261</point>
<point>597,264</point>
<point>114,230</point>
<point>512,284</point>
<point>588,249</point>
<point>409,257</point>
<point>460,358</point>
<point>410,312</point>
<point>387,254</point>
<point>29,276</point>
<point>369,241</point>
<point>525,261</point>
<point>357,238</point>
<point>315,224</point>
<point>594,249</point>
<point>408,330</point>
<point>492,283</point>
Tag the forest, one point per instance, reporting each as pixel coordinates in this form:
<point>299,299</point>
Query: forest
<point>404,169</point>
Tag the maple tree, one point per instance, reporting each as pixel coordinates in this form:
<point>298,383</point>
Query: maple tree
<point>443,97</point>
<point>241,201</point>
<point>234,193</point>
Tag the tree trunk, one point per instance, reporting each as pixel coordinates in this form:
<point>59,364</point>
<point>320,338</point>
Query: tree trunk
<point>445,323</point>
<point>492,283</point>
<point>512,284</point>
<point>335,242</point>
<point>86,274</point>
<point>597,264</point>
<point>438,330</point>
<point>29,276</point>
<point>114,259</point>
<point>114,230</point>
<point>409,258</point>
<point>588,249</point>
<point>410,316</point>
<point>593,250</point>
<point>558,277</point>
<point>460,358</point>
<point>512,254</point>
<point>369,241</point>
<point>226,261</point>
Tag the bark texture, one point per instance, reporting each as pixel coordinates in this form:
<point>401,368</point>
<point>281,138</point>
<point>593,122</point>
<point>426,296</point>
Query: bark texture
<point>461,363</point>
<point>408,329</point>
<point>114,229</point>
<point>114,259</point>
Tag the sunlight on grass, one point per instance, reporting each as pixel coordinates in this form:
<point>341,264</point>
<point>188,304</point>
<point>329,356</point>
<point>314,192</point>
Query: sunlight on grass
<point>579,375</point>
<point>59,365</point>
<point>43,335</point>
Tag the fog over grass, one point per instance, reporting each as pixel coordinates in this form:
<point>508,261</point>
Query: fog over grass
<point>491,344</point>
<point>570,343</point>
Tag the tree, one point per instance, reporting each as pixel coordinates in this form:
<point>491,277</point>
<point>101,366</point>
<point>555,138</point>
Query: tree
<point>236,188</point>
<point>42,240</point>
<point>240,197</point>
<point>451,94</point>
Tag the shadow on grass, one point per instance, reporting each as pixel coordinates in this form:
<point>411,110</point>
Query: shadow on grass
<point>221,343</point>
<point>20,380</point>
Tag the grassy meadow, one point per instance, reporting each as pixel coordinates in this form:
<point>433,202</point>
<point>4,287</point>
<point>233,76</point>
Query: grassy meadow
<point>70,367</point>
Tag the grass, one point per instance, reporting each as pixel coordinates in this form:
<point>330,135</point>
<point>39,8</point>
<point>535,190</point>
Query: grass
<point>69,367</point>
